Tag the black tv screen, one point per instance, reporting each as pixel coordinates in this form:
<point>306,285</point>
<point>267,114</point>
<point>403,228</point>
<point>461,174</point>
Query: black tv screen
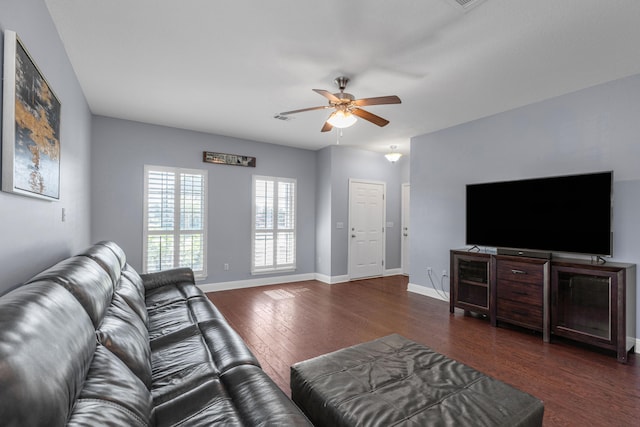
<point>554,214</point>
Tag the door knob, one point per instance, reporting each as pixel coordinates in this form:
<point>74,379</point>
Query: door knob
<point>353,235</point>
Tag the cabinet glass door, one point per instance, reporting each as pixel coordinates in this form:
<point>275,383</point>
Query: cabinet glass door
<point>473,282</point>
<point>473,271</point>
<point>584,304</point>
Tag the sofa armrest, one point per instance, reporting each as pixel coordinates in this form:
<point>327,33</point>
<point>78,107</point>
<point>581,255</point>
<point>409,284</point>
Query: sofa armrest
<point>167,277</point>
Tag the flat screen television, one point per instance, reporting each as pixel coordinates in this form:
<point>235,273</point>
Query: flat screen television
<point>570,214</point>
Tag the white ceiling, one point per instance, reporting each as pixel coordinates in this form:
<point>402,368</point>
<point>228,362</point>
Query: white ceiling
<point>228,67</point>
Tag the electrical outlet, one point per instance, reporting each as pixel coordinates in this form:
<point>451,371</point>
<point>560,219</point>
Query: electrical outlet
<point>444,272</point>
<point>429,270</point>
<point>226,266</point>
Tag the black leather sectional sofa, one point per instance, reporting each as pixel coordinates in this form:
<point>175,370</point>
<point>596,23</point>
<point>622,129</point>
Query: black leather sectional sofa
<point>90,342</point>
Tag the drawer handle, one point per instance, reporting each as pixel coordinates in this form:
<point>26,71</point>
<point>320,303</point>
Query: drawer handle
<point>521,313</point>
<point>518,272</point>
<point>520,293</point>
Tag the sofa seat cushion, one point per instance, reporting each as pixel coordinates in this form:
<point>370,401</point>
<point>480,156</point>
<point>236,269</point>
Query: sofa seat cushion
<point>111,381</point>
<point>169,294</point>
<point>166,319</point>
<point>174,352</point>
<point>218,412</point>
<point>168,387</point>
<point>203,403</point>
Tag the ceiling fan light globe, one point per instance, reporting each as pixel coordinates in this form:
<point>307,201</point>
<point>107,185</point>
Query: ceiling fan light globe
<point>342,120</point>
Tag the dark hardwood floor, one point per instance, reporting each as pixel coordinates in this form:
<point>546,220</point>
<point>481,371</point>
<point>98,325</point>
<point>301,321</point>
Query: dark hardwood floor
<point>284,324</point>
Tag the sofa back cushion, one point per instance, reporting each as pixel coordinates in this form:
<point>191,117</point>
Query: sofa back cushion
<point>113,246</point>
<point>131,289</point>
<point>125,335</point>
<point>86,280</point>
<point>106,258</point>
<point>47,342</point>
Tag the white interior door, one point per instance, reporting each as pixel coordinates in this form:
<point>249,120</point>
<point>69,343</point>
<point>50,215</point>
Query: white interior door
<point>366,229</point>
<point>405,229</point>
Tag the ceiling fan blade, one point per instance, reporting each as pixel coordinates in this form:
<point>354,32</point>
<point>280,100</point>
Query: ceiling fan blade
<point>327,94</point>
<point>379,100</point>
<point>328,126</point>
<point>324,107</point>
<point>376,120</point>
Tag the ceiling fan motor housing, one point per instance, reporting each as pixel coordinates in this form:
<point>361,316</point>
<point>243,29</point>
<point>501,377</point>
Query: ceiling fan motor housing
<point>341,82</point>
<point>345,99</point>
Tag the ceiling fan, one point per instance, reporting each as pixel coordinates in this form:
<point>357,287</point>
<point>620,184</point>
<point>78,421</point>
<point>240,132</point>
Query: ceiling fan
<point>347,107</point>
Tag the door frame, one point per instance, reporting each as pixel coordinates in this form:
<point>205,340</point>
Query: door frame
<point>384,222</point>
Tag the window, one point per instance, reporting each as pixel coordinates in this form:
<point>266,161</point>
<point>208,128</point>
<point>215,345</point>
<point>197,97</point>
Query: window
<point>175,219</point>
<point>274,224</point>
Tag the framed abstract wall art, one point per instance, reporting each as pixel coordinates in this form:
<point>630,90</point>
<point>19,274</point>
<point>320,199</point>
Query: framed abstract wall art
<point>30,126</point>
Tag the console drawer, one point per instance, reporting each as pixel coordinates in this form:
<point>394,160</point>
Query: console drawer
<point>518,271</point>
<point>529,293</point>
<point>519,313</point>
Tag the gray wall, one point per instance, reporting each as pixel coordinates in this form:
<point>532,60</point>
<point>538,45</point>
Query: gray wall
<point>32,234</point>
<point>595,129</point>
<point>323,212</point>
<point>121,149</point>
<point>348,163</point>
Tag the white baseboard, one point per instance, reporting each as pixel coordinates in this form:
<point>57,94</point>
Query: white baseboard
<point>331,280</point>
<point>251,283</point>
<point>345,278</point>
<point>426,291</point>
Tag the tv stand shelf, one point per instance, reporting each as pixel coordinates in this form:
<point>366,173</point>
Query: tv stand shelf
<point>575,299</point>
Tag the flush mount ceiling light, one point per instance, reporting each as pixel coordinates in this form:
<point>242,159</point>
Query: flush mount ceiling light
<point>393,156</point>
<point>342,119</point>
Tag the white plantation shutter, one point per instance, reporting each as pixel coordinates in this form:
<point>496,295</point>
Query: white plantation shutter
<point>274,224</point>
<point>175,219</point>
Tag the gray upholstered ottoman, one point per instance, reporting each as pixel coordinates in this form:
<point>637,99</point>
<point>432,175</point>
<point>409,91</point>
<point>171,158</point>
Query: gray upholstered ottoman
<point>393,381</point>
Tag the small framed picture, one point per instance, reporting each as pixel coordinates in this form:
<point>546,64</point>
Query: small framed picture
<point>228,159</point>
